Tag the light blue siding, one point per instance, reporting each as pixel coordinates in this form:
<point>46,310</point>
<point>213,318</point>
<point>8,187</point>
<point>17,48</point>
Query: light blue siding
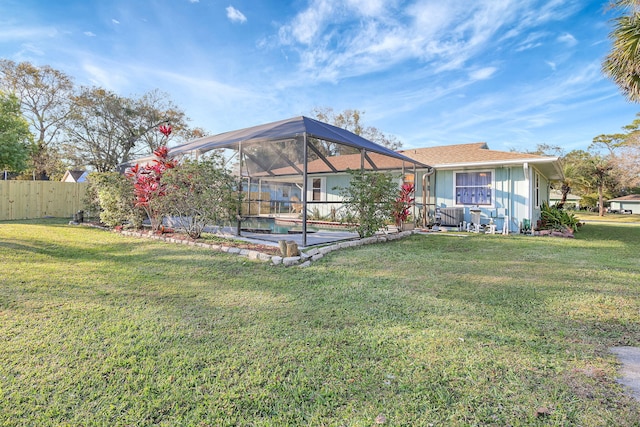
<point>512,195</point>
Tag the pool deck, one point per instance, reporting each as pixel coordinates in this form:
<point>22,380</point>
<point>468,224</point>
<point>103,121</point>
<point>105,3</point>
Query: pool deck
<point>262,234</point>
<point>315,238</point>
<point>319,237</point>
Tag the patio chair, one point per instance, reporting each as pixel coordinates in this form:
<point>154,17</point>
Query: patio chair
<point>525,228</point>
<point>296,206</point>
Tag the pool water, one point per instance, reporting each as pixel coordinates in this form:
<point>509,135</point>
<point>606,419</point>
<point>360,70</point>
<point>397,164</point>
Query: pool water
<point>268,225</point>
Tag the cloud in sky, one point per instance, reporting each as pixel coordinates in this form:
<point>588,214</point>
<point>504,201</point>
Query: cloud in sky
<point>427,71</point>
<point>26,33</point>
<point>568,39</point>
<point>483,73</point>
<point>335,40</point>
<point>235,15</point>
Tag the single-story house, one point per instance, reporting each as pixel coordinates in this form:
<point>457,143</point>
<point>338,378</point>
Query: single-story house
<point>630,202</point>
<point>74,176</point>
<point>470,180</point>
<point>572,200</point>
<point>464,182</point>
<point>297,166</point>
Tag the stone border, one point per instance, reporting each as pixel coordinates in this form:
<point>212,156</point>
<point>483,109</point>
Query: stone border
<point>304,260</point>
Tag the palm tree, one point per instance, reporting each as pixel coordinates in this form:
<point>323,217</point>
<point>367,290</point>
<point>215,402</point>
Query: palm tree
<point>622,64</point>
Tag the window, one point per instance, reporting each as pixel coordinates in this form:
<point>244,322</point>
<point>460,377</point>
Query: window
<point>316,189</point>
<point>473,188</point>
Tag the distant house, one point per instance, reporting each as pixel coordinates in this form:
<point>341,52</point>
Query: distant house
<point>572,200</point>
<point>630,203</point>
<point>74,176</point>
<point>470,180</point>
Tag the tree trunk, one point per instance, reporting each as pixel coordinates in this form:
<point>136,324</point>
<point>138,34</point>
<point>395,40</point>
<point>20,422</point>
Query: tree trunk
<point>565,191</point>
<point>600,200</point>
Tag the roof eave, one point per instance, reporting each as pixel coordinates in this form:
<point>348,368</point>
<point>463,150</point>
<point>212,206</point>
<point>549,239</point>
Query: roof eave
<point>553,161</point>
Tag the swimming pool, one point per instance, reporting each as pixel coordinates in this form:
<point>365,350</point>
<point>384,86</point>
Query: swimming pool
<point>288,225</point>
<point>262,225</point>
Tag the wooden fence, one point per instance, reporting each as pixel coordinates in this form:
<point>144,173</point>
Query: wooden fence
<point>39,199</point>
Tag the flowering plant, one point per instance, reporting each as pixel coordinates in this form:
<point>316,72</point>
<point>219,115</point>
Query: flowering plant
<point>403,203</point>
<point>147,186</point>
<point>165,130</point>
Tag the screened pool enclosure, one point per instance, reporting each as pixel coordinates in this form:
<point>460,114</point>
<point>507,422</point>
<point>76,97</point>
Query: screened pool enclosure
<point>290,172</point>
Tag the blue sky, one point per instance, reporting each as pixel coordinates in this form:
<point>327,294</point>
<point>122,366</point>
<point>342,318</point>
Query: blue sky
<point>512,73</point>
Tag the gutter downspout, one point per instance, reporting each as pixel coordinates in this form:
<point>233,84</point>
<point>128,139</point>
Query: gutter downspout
<point>426,194</point>
<point>527,180</point>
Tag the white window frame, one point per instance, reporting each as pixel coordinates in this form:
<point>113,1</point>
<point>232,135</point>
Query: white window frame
<point>536,189</point>
<point>492,188</point>
<point>323,189</point>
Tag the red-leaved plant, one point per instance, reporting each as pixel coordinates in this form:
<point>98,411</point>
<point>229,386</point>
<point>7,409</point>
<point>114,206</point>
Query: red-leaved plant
<point>147,186</point>
<point>403,203</point>
<point>165,130</point>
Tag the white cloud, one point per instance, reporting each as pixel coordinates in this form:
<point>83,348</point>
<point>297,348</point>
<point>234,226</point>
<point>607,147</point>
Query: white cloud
<point>235,15</point>
<point>306,25</point>
<point>89,34</point>
<point>109,78</point>
<point>531,41</point>
<point>26,33</point>
<point>552,65</point>
<point>568,39</point>
<point>483,73</point>
<point>367,7</point>
<point>30,48</point>
<point>115,21</point>
<point>356,37</point>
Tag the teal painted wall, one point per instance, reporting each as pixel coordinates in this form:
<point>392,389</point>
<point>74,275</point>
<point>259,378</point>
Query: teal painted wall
<point>511,194</point>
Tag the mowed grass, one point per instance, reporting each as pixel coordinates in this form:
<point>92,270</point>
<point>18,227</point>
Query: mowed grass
<point>100,329</point>
<point>609,217</point>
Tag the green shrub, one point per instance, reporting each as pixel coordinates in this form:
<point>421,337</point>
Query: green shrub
<point>200,193</point>
<point>113,193</point>
<point>370,198</point>
<point>553,218</point>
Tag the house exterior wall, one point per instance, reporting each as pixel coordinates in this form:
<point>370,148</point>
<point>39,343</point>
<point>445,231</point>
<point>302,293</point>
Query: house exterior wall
<point>630,205</point>
<point>330,204</point>
<point>513,194</point>
<point>513,190</point>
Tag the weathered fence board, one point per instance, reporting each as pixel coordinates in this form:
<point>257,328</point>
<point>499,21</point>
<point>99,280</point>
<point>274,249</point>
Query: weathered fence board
<point>39,199</point>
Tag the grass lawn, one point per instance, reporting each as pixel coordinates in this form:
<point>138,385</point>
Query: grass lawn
<point>609,217</point>
<point>101,329</point>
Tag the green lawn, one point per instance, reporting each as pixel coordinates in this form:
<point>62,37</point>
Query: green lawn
<point>100,329</point>
<point>609,217</point>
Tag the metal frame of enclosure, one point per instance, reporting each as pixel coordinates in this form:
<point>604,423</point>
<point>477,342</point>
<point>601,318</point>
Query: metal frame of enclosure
<point>293,150</point>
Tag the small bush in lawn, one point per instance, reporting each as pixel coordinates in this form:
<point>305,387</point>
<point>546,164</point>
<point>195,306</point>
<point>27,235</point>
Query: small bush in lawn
<point>113,193</point>
<point>553,218</point>
<point>200,193</point>
<point>370,197</point>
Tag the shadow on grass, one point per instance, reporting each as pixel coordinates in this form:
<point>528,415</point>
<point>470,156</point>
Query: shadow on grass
<point>479,330</point>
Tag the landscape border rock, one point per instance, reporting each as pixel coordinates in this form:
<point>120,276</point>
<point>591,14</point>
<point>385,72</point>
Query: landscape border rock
<point>303,260</point>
